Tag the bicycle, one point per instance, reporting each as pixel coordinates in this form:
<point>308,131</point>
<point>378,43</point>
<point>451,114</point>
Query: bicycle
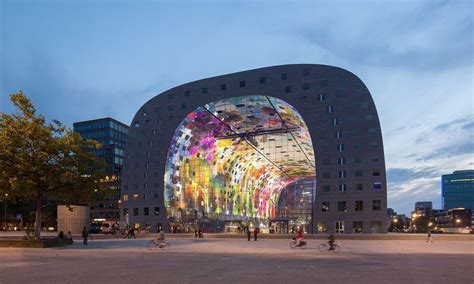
<point>294,244</point>
<point>325,247</point>
<point>153,244</point>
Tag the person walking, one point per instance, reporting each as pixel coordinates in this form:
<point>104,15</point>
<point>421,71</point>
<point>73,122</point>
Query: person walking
<point>248,233</point>
<point>429,239</point>
<point>85,234</point>
<point>255,233</point>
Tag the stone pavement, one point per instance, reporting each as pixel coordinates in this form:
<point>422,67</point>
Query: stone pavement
<point>219,260</point>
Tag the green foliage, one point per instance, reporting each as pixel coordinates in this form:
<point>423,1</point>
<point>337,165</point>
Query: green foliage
<point>40,160</point>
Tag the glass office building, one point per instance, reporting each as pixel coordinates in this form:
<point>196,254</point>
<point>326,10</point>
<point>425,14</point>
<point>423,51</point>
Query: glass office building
<point>457,190</point>
<point>112,134</point>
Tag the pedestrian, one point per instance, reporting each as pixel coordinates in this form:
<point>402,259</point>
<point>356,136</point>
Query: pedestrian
<point>85,234</point>
<point>248,233</point>
<point>429,239</point>
<point>255,233</point>
<point>69,236</point>
<point>195,233</point>
<point>132,233</point>
<point>61,235</point>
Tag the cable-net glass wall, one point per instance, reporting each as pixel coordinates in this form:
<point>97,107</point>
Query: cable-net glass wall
<point>231,159</point>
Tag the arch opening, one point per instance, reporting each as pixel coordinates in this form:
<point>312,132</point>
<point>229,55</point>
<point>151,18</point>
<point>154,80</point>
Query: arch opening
<point>238,162</point>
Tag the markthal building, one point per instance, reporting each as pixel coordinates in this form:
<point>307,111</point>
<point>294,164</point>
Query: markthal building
<point>278,148</point>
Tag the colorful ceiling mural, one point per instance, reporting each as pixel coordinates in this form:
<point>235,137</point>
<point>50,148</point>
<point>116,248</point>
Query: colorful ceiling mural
<point>232,158</point>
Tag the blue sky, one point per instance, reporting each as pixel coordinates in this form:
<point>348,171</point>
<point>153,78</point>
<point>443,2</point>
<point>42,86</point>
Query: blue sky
<point>80,60</point>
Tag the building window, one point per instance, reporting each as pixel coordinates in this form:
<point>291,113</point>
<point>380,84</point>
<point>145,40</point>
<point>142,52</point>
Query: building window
<point>376,205</point>
<point>329,109</point>
<point>342,174</point>
<point>341,206</point>
<point>125,211</point>
<point>323,83</point>
<point>338,134</point>
<point>305,86</point>
<point>371,131</point>
<point>374,159</point>
<point>377,186</point>
<point>263,80</point>
<point>223,87</point>
<point>288,89</point>
<point>359,186</point>
<point>135,211</point>
<point>357,227</point>
<point>359,205</point>
<point>358,173</point>
<point>146,211</point>
<point>326,188</point>
<point>204,90</point>
<point>369,117</point>
<point>306,72</point>
<point>155,195</point>
<point>157,211</point>
<point>135,196</point>
<point>183,106</point>
<point>374,145</point>
<point>187,93</point>
<point>342,161</point>
<point>364,105</point>
<point>375,173</point>
<point>242,84</point>
<point>339,227</point>
<point>334,121</point>
<point>137,124</point>
<point>284,76</point>
<point>342,187</point>
<point>325,206</point>
<point>340,147</point>
<point>125,197</point>
<point>326,175</point>
<point>321,97</point>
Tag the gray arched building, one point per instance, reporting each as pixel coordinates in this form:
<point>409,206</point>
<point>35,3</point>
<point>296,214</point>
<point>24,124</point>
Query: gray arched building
<point>254,148</point>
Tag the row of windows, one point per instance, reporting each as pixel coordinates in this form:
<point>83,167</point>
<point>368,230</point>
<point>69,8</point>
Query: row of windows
<point>99,125</point>
<point>343,160</point>
<point>145,212</point>
<point>136,196</point>
<point>357,227</point>
<point>359,186</point>
<point>358,205</point>
<point>108,133</point>
<point>357,173</point>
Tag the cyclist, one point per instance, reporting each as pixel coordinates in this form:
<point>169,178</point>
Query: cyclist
<point>331,241</point>
<point>161,238</point>
<point>299,238</point>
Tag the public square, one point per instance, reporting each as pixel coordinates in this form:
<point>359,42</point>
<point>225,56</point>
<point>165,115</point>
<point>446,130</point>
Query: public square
<point>236,260</point>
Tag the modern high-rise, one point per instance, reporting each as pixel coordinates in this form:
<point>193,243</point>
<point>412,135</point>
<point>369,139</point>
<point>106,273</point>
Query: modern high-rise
<point>112,134</point>
<point>276,148</point>
<point>457,190</point>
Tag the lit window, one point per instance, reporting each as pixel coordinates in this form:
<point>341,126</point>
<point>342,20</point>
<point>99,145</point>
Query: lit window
<point>357,227</point>
<point>137,124</point>
<point>157,211</point>
<point>321,97</point>
<point>334,121</point>
<point>125,197</point>
<point>325,206</point>
<point>342,174</point>
<point>342,161</point>
<point>329,109</point>
<point>377,186</point>
<point>135,196</point>
<point>338,134</point>
<point>340,147</point>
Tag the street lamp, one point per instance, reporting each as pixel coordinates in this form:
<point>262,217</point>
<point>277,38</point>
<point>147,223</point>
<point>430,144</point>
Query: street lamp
<point>5,202</point>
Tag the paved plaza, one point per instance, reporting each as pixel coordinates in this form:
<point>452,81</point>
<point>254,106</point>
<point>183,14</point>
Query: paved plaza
<point>221,260</point>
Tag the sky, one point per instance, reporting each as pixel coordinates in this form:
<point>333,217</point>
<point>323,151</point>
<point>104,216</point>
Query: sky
<point>80,60</point>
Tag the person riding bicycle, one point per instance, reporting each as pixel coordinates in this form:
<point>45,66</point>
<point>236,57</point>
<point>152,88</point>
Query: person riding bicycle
<point>331,241</point>
<point>161,238</point>
<point>299,238</point>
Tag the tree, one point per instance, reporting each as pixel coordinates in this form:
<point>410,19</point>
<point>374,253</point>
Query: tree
<point>40,160</point>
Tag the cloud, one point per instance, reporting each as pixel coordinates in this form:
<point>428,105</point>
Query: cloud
<point>448,125</point>
<point>449,151</point>
<point>468,126</point>
<point>401,175</point>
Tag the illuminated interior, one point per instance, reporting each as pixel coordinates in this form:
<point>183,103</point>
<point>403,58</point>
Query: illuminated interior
<point>232,159</point>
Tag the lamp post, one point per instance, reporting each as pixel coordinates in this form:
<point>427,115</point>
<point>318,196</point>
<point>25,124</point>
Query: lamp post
<point>5,216</point>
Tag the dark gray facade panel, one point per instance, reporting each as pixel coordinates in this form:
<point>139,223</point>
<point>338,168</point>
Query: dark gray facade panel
<point>329,99</point>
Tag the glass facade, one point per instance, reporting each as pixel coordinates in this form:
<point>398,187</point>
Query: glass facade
<point>458,190</point>
<point>112,135</point>
<point>238,159</point>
